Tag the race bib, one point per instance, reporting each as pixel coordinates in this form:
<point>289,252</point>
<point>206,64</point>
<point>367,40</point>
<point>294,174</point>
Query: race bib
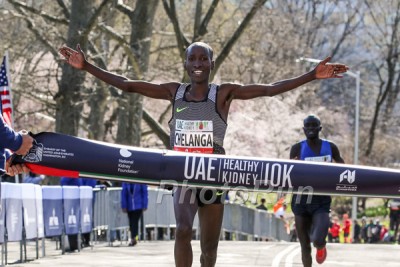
<point>326,158</point>
<point>194,136</point>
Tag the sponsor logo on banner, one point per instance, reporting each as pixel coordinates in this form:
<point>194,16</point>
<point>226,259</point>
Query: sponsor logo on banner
<point>35,153</point>
<point>53,221</point>
<point>348,175</point>
<point>346,179</point>
<point>72,218</point>
<point>86,217</point>
<point>238,172</point>
<point>39,151</point>
<point>125,165</point>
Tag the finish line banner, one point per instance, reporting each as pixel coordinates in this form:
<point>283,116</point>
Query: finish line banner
<point>63,155</point>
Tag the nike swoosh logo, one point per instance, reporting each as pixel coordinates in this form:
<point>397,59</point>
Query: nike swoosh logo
<point>219,193</point>
<point>181,109</point>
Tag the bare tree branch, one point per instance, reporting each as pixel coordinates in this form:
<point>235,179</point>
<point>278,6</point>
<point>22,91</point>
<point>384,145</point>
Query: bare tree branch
<point>39,35</point>
<point>348,30</point>
<point>91,23</point>
<point>127,10</point>
<point>202,29</point>
<point>124,44</point>
<point>156,127</point>
<point>183,43</point>
<point>197,18</point>
<point>228,46</point>
<point>38,12</point>
<point>64,8</point>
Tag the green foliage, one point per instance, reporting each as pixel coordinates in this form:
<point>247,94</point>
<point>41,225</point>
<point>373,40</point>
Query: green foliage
<point>379,211</point>
<point>341,205</point>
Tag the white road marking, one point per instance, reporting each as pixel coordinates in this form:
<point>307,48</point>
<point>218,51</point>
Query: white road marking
<point>290,257</point>
<point>278,258</point>
<point>341,263</point>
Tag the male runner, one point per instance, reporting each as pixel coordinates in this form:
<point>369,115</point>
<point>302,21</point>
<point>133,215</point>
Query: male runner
<point>200,110</point>
<point>312,217</point>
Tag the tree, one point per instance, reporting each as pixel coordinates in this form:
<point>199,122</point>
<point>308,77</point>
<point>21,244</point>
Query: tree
<point>130,105</point>
<point>383,30</point>
<point>69,103</point>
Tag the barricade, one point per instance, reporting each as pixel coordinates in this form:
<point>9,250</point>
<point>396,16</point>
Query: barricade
<point>39,211</point>
<point>39,219</point>
<point>160,213</point>
<point>108,215</point>
<point>86,204</point>
<point>30,225</point>
<point>32,212</point>
<point>52,210</point>
<point>234,221</point>
<point>262,224</point>
<point>71,208</point>
<point>71,204</point>
<point>245,222</point>
<point>13,215</point>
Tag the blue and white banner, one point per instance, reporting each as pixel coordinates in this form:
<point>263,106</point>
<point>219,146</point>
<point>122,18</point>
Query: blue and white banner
<point>13,199</point>
<point>77,157</point>
<point>86,198</point>
<point>52,210</point>
<point>39,211</point>
<point>71,205</point>
<point>29,208</point>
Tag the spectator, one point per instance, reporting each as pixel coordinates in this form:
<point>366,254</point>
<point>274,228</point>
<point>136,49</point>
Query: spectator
<point>134,200</point>
<point>357,232</point>
<point>33,178</point>
<point>262,205</point>
<point>335,230</point>
<point>69,181</point>
<point>364,230</point>
<point>346,228</point>
<point>279,204</point>
<point>280,214</point>
<point>87,182</point>
<point>376,232</point>
<point>20,142</point>
<point>293,232</point>
<point>329,230</point>
<point>394,216</point>
<point>370,231</point>
<point>383,234</point>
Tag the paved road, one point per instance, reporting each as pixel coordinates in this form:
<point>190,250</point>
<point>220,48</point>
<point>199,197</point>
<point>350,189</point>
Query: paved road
<point>231,253</point>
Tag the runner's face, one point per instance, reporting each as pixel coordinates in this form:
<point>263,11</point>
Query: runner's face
<point>312,127</point>
<point>198,64</point>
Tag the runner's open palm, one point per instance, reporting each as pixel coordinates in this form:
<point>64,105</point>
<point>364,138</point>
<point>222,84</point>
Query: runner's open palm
<point>75,58</point>
<point>326,70</point>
